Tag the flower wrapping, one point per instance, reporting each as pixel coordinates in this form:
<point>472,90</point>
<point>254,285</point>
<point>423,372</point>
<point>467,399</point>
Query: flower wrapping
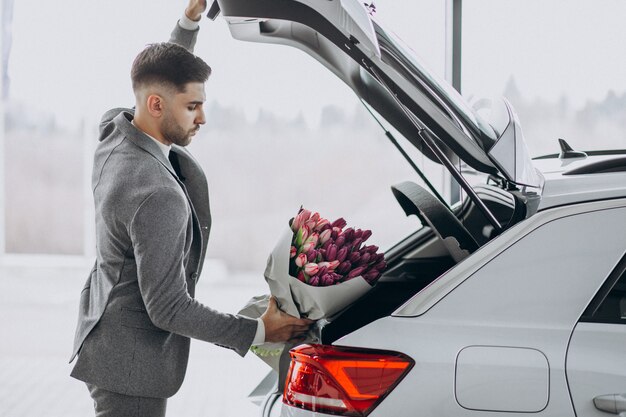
<point>333,271</point>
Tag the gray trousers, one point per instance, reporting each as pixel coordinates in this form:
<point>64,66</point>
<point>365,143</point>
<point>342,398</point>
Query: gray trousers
<point>112,404</point>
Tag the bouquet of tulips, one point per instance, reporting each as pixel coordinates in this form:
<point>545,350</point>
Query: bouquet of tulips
<point>324,254</point>
<point>316,269</point>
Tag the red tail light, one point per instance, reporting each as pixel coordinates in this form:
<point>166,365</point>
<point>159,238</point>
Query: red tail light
<point>342,381</point>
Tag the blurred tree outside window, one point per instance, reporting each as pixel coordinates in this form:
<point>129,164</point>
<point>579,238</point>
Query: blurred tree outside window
<point>561,63</point>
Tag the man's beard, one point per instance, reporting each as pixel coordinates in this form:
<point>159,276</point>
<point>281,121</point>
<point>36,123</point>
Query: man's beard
<point>172,132</point>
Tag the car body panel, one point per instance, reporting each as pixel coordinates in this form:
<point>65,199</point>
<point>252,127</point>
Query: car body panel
<point>596,365</point>
<point>508,302</point>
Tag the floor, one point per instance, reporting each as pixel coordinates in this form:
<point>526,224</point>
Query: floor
<point>38,305</point>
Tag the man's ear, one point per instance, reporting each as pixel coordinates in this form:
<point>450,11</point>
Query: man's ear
<point>155,104</point>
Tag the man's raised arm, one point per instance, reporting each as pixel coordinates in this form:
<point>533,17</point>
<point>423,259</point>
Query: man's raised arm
<point>186,31</point>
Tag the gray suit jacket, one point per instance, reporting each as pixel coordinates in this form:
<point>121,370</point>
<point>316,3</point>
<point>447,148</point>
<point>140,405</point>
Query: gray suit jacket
<point>137,310</point>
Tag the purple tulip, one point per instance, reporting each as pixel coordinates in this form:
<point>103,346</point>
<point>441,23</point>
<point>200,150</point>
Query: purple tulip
<point>336,277</point>
<point>344,267</point>
<point>314,281</point>
<point>340,241</point>
<point>365,259</point>
<point>327,280</point>
<point>356,272</point>
<point>380,266</point>
<point>371,276</point>
<point>354,257</point>
<point>366,235</point>
<point>331,253</point>
<point>371,249</point>
<point>327,244</point>
<point>311,255</point>
<point>378,257</point>
<point>334,232</point>
<point>348,234</point>
<point>342,254</point>
<point>356,245</point>
<point>301,277</point>
<point>358,233</point>
<point>340,223</point>
<point>322,270</point>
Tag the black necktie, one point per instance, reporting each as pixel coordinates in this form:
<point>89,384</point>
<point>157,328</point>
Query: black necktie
<point>173,157</point>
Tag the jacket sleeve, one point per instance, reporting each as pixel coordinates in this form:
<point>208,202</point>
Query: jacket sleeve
<point>183,37</point>
<point>158,232</point>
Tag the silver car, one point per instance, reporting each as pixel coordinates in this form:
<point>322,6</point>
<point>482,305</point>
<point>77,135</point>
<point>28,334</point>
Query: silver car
<point>511,302</point>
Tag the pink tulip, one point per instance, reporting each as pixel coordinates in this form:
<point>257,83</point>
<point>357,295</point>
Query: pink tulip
<point>324,236</point>
<point>333,265</point>
<point>356,272</point>
<point>321,224</point>
<point>307,247</point>
<point>323,264</point>
<point>301,277</point>
<point>301,260</point>
<point>314,281</point>
<point>305,214</point>
<point>340,223</point>
<point>313,238</point>
<point>311,269</point>
<point>292,251</point>
<point>315,217</point>
<point>300,220</point>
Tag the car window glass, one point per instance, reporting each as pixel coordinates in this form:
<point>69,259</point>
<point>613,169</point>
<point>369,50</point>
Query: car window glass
<point>609,305</point>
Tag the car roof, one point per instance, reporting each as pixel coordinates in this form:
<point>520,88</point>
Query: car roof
<point>599,176</point>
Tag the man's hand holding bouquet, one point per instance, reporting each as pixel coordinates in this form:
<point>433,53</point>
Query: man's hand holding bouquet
<point>316,269</point>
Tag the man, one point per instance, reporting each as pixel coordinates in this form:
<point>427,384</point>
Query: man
<point>137,310</point>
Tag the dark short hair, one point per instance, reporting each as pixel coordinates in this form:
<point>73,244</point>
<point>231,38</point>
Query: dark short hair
<point>168,64</point>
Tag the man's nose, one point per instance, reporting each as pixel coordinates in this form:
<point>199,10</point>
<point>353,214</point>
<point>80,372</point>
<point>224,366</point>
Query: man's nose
<point>200,118</point>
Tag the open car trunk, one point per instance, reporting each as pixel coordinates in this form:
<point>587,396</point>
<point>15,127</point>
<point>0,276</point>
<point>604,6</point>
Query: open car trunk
<point>344,36</point>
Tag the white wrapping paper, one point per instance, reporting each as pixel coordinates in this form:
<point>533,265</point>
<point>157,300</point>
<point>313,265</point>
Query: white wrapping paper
<point>298,299</point>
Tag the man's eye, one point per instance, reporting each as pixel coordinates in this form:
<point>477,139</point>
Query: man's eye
<point>191,108</point>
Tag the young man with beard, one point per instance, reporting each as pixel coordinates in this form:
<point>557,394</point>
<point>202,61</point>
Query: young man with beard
<point>137,310</point>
